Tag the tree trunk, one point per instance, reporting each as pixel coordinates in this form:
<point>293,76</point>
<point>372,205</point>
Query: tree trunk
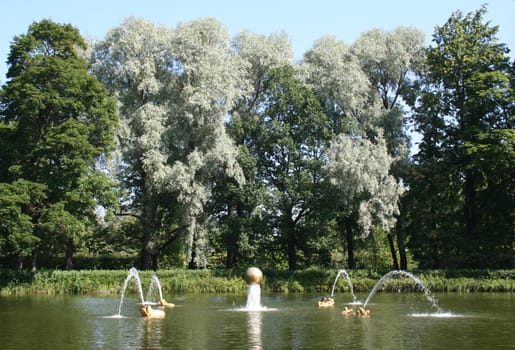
<point>18,262</point>
<point>146,251</point>
<point>149,228</point>
<point>155,259</point>
<point>70,248</point>
<point>33,259</point>
<point>292,250</point>
<point>192,265</point>
<point>393,252</point>
<point>231,243</point>
<point>350,243</point>
<point>470,205</point>
<point>287,226</point>
<point>400,244</point>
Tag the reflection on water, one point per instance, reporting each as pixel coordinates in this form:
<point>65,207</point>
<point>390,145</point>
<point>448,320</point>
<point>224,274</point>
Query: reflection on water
<point>153,332</point>
<point>398,321</point>
<point>254,329</point>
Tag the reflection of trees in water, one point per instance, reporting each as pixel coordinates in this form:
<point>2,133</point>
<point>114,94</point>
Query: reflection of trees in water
<point>152,333</point>
<point>254,323</point>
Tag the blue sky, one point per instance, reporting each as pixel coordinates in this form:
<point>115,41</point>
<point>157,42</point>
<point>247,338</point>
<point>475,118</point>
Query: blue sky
<point>303,21</point>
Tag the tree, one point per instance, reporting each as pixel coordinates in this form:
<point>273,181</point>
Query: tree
<point>391,61</point>
<point>133,63</point>
<point>206,90</point>
<point>60,122</point>
<point>465,114</point>
<point>18,203</point>
<point>367,192</point>
<point>336,77</point>
<point>291,136</point>
<point>240,207</point>
<point>361,87</point>
<point>176,88</point>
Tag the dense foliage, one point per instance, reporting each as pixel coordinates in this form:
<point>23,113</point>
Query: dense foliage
<point>461,202</point>
<point>57,121</point>
<point>175,281</point>
<point>225,152</point>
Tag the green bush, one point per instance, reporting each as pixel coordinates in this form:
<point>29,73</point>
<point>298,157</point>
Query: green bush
<point>175,281</point>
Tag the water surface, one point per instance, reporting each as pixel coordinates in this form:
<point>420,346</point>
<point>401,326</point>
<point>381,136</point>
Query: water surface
<point>398,321</point>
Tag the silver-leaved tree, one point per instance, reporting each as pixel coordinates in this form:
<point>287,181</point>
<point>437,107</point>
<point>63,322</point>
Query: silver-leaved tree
<point>175,88</point>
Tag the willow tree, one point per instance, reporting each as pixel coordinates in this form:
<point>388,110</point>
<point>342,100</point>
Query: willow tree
<point>133,62</point>
<point>364,87</point>
<point>176,87</point>
<point>391,61</point>
<point>335,75</point>
<point>360,171</point>
<point>353,108</point>
<point>464,168</point>
<point>59,122</point>
<point>202,93</point>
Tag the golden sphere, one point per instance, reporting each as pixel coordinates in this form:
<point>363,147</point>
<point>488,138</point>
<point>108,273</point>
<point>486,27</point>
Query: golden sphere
<point>253,276</point>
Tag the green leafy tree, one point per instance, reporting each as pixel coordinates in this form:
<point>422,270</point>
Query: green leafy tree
<point>291,137</point>
<point>464,169</point>
<point>60,123</point>
<point>19,202</point>
<point>244,223</point>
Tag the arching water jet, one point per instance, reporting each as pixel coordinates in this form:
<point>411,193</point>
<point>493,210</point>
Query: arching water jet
<point>418,282</point>
<point>349,283</point>
<point>155,284</point>
<point>133,274</point>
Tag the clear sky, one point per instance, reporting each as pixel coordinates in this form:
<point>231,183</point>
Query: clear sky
<point>304,21</point>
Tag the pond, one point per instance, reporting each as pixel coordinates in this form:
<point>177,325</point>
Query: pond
<point>398,321</point>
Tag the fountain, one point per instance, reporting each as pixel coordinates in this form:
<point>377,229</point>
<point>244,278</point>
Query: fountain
<point>133,274</point>
<point>146,309</point>
<point>254,277</point>
<point>349,282</point>
<point>419,283</point>
<point>327,302</point>
<point>155,284</point>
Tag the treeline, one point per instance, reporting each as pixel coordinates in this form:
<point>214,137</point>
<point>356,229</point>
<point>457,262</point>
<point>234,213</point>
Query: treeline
<point>186,147</point>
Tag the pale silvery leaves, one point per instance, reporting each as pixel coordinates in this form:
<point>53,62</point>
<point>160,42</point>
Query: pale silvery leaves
<point>129,59</point>
<point>206,86</point>
<point>175,88</point>
<point>382,208</point>
<point>335,73</point>
<point>208,78</point>
<point>258,54</point>
<point>389,57</point>
<point>359,169</point>
<point>148,125</point>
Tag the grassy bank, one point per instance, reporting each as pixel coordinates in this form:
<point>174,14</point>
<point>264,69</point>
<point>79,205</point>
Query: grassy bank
<point>110,282</point>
